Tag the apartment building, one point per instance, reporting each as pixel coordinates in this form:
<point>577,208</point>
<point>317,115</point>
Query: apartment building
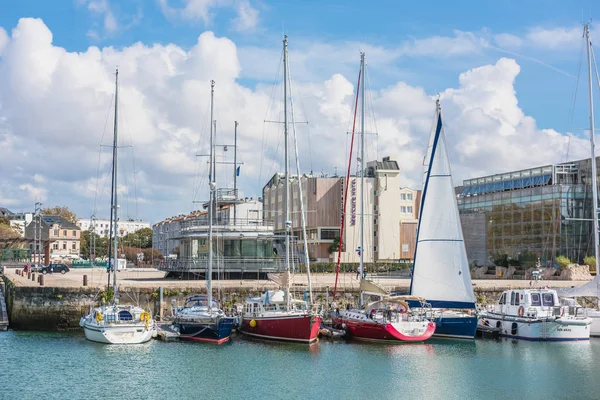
<point>102,226</point>
<point>61,237</point>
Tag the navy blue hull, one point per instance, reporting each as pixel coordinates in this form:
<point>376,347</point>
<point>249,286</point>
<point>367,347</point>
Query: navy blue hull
<point>456,327</point>
<point>213,332</point>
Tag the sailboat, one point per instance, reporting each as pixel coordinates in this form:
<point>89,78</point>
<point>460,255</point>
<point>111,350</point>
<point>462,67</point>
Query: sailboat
<point>275,314</point>
<point>201,317</point>
<point>389,318</point>
<point>441,268</point>
<point>115,323</point>
<point>592,288</point>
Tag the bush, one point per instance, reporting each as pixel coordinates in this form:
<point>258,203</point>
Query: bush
<point>590,261</point>
<point>563,261</point>
<point>501,260</point>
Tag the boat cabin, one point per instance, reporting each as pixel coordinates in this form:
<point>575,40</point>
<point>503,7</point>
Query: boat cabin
<point>532,303</point>
<point>199,300</point>
<point>273,301</point>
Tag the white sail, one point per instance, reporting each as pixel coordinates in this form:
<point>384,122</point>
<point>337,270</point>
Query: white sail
<point>590,289</point>
<point>441,269</point>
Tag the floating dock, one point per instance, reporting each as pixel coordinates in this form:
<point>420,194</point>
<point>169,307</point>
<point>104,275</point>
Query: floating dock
<point>166,333</point>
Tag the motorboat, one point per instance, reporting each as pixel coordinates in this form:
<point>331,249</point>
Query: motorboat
<point>536,314</point>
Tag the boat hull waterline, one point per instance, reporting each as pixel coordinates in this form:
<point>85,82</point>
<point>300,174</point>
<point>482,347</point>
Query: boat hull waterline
<point>539,329</point>
<point>456,327</point>
<point>118,334</point>
<point>417,331</point>
<point>217,332</point>
<point>302,328</point>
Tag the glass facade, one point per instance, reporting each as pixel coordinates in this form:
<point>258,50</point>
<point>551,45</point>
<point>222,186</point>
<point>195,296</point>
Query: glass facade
<point>536,213</point>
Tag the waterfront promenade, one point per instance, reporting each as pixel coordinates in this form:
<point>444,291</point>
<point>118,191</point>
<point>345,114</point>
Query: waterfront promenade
<point>152,278</point>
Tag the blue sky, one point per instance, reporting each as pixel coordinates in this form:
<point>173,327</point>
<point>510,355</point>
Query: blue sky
<point>506,72</point>
<point>543,92</point>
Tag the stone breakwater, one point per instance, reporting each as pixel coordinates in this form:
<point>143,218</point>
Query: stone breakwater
<point>60,308</point>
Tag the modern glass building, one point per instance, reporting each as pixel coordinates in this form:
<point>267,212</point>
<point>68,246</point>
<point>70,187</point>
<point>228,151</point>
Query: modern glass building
<point>534,213</point>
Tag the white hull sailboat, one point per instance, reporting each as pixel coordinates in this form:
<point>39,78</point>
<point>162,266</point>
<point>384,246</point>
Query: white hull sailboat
<point>441,268</point>
<point>592,288</point>
<point>118,325</point>
<point>115,323</point>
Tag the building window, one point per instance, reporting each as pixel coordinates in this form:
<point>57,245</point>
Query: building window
<point>56,232</point>
<point>74,233</point>
<point>55,246</point>
<point>403,209</point>
<point>64,245</point>
<point>65,233</point>
<point>329,234</point>
<point>409,196</point>
<point>403,196</point>
<point>74,246</point>
<point>409,209</point>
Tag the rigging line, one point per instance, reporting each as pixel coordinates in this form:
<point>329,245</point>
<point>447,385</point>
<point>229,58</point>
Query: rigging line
<point>197,160</point>
<point>124,171</point>
<point>128,128</point>
<point>343,217</point>
<point>271,97</point>
<point>572,111</point>
<point>300,195</point>
<point>100,154</point>
<point>595,67</point>
<point>533,59</point>
<point>308,130</point>
<point>371,102</point>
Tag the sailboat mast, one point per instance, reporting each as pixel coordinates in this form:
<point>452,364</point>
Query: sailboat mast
<point>287,174</point>
<point>592,147</point>
<point>115,191</point>
<point>235,170</point>
<point>212,186</point>
<point>362,168</point>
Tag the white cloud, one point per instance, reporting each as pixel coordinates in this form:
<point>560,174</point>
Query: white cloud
<point>445,46</point>
<point>102,7</point>
<point>555,38</point>
<point>34,193</point>
<point>507,40</point>
<point>54,110</point>
<point>246,19</point>
<point>3,39</point>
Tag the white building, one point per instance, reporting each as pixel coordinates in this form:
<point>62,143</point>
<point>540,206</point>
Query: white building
<point>387,205</point>
<point>102,226</point>
<point>167,234</point>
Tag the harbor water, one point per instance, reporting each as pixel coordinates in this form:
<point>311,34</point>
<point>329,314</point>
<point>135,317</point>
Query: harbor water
<point>59,365</point>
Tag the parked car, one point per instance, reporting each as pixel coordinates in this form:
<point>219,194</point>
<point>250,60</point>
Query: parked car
<point>36,267</point>
<point>62,268</point>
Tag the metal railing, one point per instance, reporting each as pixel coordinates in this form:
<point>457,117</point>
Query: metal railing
<point>229,264</point>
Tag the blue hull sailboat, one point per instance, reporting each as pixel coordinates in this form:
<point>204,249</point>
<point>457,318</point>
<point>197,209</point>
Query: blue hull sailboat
<point>441,268</point>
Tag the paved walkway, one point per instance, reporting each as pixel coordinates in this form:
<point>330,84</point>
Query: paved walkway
<point>152,278</point>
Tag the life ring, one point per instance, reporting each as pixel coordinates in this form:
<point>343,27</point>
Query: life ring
<point>252,323</point>
<point>521,311</point>
<point>145,316</point>
<point>99,317</point>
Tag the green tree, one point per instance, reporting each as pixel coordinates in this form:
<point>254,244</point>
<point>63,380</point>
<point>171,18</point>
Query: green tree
<point>335,246</point>
<point>590,261</point>
<point>63,211</point>
<point>141,238</point>
<point>7,231</point>
<point>563,261</point>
